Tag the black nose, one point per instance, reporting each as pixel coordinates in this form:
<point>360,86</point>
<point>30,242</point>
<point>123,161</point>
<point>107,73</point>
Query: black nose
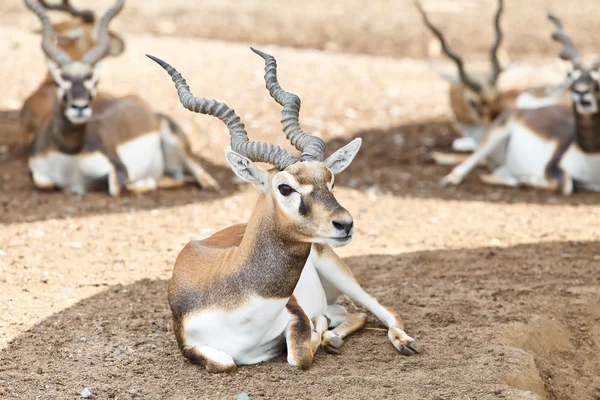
<point>343,225</point>
<point>78,107</point>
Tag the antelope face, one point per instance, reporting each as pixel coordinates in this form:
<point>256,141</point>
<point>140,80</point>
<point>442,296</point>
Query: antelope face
<point>585,89</point>
<point>302,196</point>
<point>472,107</point>
<point>76,84</point>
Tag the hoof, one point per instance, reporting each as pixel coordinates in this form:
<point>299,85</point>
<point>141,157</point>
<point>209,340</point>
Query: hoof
<point>410,349</point>
<point>402,342</point>
<point>333,344</point>
<point>451,179</point>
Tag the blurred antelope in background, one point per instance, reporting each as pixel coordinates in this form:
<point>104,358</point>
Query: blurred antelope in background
<point>475,98</point>
<point>555,147</point>
<point>247,292</point>
<point>126,144</point>
<point>75,36</point>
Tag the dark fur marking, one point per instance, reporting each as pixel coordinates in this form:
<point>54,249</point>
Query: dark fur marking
<point>276,278</point>
<point>303,210</point>
<point>300,332</point>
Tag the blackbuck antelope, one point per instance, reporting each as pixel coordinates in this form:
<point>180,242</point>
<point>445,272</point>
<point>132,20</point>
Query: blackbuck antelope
<point>126,143</point>
<point>555,147</point>
<point>75,36</point>
<point>247,292</point>
<point>475,98</point>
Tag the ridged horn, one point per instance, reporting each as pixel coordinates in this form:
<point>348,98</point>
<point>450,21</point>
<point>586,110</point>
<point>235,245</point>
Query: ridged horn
<point>52,51</point>
<point>102,47</point>
<point>312,147</point>
<point>496,67</point>
<point>568,52</point>
<point>255,151</point>
<point>464,78</point>
<point>65,5</point>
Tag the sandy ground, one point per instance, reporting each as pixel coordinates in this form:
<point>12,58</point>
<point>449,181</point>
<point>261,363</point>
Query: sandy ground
<point>500,286</point>
<point>382,27</point>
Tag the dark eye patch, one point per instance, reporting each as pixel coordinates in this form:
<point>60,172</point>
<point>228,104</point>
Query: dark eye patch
<point>303,209</point>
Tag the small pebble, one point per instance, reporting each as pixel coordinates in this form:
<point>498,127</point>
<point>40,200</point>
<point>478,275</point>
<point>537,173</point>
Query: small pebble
<point>86,393</point>
<point>243,396</point>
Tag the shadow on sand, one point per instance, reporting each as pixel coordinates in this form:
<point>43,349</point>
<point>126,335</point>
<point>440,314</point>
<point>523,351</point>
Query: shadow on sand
<point>397,161</point>
<point>460,304</point>
<point>21,202</point>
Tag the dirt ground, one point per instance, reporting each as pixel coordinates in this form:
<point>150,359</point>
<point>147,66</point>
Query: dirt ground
<point>500,286</point>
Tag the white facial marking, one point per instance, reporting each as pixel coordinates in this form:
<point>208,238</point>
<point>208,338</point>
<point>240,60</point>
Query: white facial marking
<point>78,117</point>
<point>290,204</point>
<point>594,75</point>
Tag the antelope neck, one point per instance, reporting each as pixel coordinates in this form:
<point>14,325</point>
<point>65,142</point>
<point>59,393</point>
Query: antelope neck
<point>61,134</point>
<point>275,259</point>
<point>588,131</point>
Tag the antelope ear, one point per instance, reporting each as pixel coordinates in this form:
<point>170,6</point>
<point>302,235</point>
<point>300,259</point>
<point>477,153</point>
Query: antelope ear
<point>247,170</point>
<point>55,72</point>
<point>341,159</point>
<point>117,44</point>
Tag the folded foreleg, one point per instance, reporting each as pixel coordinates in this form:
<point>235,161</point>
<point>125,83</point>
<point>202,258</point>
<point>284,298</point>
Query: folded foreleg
<point>336,272</point>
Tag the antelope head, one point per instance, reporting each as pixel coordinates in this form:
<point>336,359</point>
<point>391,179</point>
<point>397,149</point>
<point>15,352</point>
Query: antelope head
<point>583,77</point>
<point>78,35</point>
<point>76,80</point>
<point>298,192</point>
<point>474,99</point>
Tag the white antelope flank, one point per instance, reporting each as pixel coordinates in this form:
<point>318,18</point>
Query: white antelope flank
<point>249,291</point>
<point>124,144</point>
<point>555,147</point>
<point>475,98</point>
<point>75,36</point>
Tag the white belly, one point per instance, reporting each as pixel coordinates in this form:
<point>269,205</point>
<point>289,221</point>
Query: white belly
<point>251,334</point>
<point>70,172</point>
<point>143,157</point>
<point>580,166</point>
<point>527,154</point>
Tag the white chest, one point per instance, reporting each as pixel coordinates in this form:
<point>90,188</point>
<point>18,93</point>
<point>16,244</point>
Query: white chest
<point>582,167</point>
<point>309,291</point>
<point>69,172</point>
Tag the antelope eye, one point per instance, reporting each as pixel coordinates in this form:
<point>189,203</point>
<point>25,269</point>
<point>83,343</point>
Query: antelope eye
<point>473,104</point>
<point>285,190</point>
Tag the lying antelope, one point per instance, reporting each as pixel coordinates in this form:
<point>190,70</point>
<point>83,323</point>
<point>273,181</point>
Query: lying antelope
<point>245,293</point>
<point>553,147</point>
<point>76,37</point>
<point>475,99</point>
<point>126,143</point>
